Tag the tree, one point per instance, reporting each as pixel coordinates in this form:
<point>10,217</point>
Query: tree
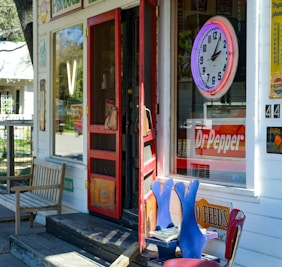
<point>10,28</point>
<point>25,14</point>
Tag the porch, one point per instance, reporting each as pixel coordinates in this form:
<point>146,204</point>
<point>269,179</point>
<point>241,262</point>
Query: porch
<point>72,239</point>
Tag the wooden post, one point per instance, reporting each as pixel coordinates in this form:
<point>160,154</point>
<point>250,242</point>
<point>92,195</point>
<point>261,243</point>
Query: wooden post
<point>10,154</point>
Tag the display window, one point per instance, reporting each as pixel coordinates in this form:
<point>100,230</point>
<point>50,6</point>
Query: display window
<point>211,91</point>
<point>68,93</point>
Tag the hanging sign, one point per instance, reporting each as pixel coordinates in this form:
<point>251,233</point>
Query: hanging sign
<point>60,7</point>
<point>276,50</point>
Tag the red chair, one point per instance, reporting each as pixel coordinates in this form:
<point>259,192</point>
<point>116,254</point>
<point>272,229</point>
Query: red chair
<point>234,230</point>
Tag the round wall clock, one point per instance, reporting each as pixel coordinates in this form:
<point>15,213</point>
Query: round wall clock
<point>214,57</point>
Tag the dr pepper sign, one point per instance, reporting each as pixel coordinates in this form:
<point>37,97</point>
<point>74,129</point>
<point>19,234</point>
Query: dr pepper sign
<point>220,141</point>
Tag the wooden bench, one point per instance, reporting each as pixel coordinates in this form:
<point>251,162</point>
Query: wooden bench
<point>44,191</point>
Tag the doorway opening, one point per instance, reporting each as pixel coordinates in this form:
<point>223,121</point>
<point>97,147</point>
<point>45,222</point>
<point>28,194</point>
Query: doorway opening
<point>130,100</point>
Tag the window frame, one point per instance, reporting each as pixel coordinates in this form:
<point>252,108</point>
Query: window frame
<point>251,190</point>
<point>52,103</point>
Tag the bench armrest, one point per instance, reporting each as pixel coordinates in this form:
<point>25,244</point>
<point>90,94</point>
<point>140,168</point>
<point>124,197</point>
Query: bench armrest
<point>15,178</point>
<point>30,188</point>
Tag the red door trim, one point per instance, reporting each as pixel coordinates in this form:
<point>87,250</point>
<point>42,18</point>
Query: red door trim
<point>148,167</point>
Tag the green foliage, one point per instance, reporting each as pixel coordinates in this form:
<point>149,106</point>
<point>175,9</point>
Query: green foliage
<point>10,28</point>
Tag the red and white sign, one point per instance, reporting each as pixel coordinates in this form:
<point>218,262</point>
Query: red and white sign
<point>220,141</point>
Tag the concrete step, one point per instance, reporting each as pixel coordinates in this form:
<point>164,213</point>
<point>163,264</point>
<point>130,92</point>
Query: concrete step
<point>97,236</point>
<point>45,250</point>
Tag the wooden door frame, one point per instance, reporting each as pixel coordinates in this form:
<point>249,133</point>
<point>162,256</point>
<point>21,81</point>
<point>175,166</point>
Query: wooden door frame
<point>148,168</point>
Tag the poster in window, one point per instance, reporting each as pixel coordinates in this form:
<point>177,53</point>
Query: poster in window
<point>62,7</point>
<point>275,90</point>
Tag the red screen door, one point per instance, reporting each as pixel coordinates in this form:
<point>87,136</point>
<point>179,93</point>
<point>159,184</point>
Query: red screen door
<point>104,114</point>
<point>147,110</point>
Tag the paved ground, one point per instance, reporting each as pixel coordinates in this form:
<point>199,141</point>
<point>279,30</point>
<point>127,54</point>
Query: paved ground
<point>7,228</point>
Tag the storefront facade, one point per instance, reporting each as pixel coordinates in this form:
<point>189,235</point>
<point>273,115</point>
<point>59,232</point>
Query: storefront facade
<point>118,100</point>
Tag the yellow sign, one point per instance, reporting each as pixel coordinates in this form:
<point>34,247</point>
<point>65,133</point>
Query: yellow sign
<point>276,50</point>
<point>211,215</point>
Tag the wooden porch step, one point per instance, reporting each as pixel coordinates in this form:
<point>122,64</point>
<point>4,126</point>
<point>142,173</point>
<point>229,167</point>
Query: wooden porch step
<point>78,239</point>
<point>46,250</point>
<point>103,238</point>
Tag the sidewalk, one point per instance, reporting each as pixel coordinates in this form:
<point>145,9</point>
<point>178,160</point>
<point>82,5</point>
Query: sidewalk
<point>7,228</point>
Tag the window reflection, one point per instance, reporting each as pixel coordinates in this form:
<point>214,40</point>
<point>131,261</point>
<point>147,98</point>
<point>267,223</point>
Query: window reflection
<point>68,92</point>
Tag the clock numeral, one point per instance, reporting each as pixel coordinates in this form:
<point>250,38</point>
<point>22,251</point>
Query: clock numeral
<point>219,76</point>
<point>224,43</point>
<point>208,75</point>
<point>204,48</point>
<point>224,68</point>
<point>204,70</point>
<point>215,35</point>
<point>213,80</point>
<point>209,39</point>
<point>201,60</point>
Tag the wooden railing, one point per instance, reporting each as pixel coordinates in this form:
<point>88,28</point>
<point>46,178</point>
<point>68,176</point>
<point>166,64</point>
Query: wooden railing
<point>16,147</point>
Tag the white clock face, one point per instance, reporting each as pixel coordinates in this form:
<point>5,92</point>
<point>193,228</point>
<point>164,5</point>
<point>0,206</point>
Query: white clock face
<point>214,57</point>
<point>212,54</point>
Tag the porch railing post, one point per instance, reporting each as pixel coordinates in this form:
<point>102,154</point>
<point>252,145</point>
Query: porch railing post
<point>10,154</point>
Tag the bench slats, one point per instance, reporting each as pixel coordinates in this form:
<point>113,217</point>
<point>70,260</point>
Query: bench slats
<point>30,200</point>
<point>27,200</point>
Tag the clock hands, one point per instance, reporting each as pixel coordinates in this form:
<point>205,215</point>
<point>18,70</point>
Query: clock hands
<point>216,53</point>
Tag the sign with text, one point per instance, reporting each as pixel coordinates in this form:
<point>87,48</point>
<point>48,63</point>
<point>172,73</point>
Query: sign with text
<point>220,140</point>
<point>213,216</point>
<point>275,50</point>
<point>60,7</point>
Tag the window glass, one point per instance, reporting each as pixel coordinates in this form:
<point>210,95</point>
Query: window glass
<point>210,132</point>
<point>68,92</point>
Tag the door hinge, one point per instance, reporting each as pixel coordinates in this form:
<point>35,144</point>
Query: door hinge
<point>157,11</point>
<point>157,108</point>
<point>86,110</point>
<point>86,184</point>
<point>86,32</point>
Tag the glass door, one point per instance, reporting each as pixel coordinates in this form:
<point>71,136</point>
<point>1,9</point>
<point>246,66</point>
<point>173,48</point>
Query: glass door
<point>104,114</point>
